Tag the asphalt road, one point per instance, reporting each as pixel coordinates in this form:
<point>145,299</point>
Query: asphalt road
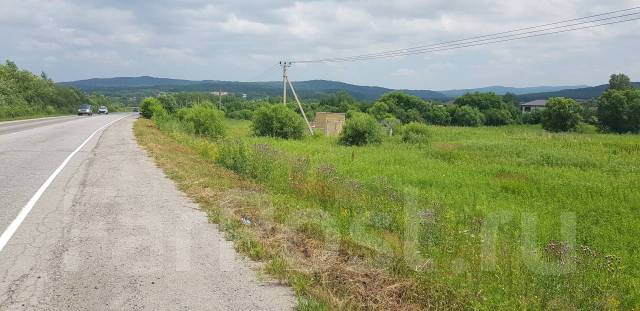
<point>109,231</point>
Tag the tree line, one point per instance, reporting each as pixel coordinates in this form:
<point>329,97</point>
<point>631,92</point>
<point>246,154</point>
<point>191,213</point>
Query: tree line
<point>24,94</point>
<point>616,110</point>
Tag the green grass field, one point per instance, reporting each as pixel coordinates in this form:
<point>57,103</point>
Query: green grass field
<point>483,218</point>
<point>468,176</point>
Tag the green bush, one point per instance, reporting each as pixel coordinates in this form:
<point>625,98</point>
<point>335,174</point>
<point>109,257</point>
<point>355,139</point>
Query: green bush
<point>497,117</point>
<point>204,119</point>
<point>561,115</point>
<point>361,129</point>
<point>619,110</point>
<point>416,133</point>
<point>467,116</point>
<point>533,117</point>
<point>438,115</point>
<point>244,114</point>
<point>146,110</point>
<point>391,125</point>
<point>277,121</point>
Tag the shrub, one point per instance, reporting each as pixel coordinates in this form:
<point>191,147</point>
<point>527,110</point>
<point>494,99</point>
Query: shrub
<point>146,109</point>
<point>438,115</point>
<point>406,108</point>
<point>497,117</point>
<point>361,129</point>
<point>391,125</point>
<point>244,114</point>
<point>467,116</point>
<point>561,115</point>
<point>204,119</point>
<point>416,133</point>
<point>533,117</point>
<point>235,155</point>
<point>619,110</point>
<point>277,121</point>
<point>482,101</point>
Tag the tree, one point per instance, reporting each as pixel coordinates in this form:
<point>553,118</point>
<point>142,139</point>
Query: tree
<point>561,115</point>
<point>406,108</point>
<point>23,93</point>
<point>482,101</point>
<point>361,129</point>
<point>533,117</point>
<point>467,116</point>
<point>438,115</point>
<point>619,110</point>
<point>338,102</point>
<point>277,121</point>
<point>619,82</point>
<point>511,99</point>
<point>498,117</point>
<point>380,111</point>
<point>147,107</point>
<point>490,103</point>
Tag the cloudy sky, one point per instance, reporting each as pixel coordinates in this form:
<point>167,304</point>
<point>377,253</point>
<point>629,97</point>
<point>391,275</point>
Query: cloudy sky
<point>242,40</point>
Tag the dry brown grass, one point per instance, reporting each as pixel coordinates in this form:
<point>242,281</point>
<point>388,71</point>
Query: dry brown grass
<point>341,277</point>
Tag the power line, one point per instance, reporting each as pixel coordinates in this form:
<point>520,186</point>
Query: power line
<point>270,69</point>
<point>446,48</point>
<point>516,34</point>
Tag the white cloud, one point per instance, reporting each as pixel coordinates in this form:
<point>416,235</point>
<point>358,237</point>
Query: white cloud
<point>232,40</point>
<point>243,26</point>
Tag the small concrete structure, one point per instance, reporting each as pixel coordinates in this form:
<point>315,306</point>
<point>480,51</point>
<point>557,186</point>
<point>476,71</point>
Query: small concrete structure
<point>329,123</point>
<point>533,105</point>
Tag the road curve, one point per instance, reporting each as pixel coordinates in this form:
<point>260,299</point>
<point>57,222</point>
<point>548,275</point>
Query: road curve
<point>111,232</point>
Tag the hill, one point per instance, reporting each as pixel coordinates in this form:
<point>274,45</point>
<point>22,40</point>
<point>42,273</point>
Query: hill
<point>146,86</point>
<point>501,90</point>
<point>580,93</point>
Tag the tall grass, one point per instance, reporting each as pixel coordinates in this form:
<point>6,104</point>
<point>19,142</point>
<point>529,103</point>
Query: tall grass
<point>467,177</point>
<point>508,218</point>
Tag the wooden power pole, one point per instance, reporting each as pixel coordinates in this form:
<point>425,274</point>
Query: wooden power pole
<point>285,81</point>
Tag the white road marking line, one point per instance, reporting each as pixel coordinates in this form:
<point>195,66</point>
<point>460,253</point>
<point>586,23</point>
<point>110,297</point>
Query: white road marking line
<point>15,224</point>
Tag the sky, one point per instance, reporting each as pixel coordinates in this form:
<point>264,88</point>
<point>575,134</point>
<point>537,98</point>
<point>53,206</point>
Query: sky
<point>244,40</point>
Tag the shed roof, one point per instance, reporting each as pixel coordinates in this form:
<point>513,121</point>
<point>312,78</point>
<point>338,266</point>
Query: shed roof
<point>536,103</point>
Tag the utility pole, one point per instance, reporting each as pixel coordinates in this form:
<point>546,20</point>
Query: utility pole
<point>220,99</point>
<point>284,65</point>
<point>285,81</point>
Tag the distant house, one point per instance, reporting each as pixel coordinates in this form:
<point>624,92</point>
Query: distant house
<point>219,93</point>
<point>329,123</point>
<point>533,105</point>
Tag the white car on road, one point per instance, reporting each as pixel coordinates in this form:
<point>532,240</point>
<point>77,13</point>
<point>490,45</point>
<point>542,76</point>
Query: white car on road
<point>103,109</point>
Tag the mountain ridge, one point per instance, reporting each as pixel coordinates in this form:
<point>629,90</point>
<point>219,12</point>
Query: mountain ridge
<point>148,85</point>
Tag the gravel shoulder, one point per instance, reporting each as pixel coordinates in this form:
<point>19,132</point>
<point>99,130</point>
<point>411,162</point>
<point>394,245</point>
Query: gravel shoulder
<point>112,233</point>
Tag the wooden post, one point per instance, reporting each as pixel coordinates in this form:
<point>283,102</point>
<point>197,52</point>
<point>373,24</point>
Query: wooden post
<point>300,106</point>
<point>284,83</point>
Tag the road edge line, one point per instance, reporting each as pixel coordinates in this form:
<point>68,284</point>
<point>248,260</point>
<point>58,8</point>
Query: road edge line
<point>26,209</point>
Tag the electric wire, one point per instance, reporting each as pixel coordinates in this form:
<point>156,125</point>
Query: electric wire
<point>499,37</point>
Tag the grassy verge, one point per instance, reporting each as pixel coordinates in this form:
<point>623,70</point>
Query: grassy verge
<point>245,210</point>
<point>484,218</point>
<point>34,116</point>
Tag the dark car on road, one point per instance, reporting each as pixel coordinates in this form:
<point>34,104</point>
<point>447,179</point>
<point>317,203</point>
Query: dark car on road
<point>85,110</point>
